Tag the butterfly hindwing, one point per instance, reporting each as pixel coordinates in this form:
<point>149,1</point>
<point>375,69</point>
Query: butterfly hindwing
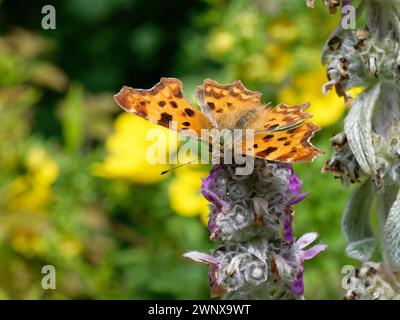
<point>281,117</point>
<point>291,145</point>
<point>163,103</point>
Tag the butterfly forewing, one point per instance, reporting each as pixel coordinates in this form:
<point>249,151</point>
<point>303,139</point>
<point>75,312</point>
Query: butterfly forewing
<point>226,104</point>
<point>162,104</point>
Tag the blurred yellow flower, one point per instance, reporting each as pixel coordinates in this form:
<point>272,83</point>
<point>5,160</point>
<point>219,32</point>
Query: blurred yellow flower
<point>220,42</point>
<point>326,110</point>
<point>256,68</point>
<point>32,190</point>
<point>247,22</point>
<point>127,147</point>
<point>43,169</point>
<point>271,66</point>
<point>184,193</point>
<point>279,61</point>
<point>283,30</point>
<point>70,247</point>
<point>27,241</point>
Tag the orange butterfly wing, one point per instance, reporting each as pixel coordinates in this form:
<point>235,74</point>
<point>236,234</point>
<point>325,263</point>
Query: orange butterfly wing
<point>291,145</point>
<point>279,118</point>
<point>226,104</point>
<point>280,134</point>
<point>162,104</point>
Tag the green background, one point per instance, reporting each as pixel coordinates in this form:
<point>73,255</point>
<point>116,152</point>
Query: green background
<point>114,237</point>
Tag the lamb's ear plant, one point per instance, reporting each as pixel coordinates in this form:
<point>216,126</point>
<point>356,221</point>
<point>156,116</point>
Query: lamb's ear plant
<point>251,215</point>
<point>367,152</point>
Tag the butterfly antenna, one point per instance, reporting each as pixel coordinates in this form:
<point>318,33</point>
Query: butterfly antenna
<point>177,167</point>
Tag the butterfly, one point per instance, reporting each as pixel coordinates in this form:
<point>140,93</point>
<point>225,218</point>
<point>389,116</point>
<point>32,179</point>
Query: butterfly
<point>280,133</point>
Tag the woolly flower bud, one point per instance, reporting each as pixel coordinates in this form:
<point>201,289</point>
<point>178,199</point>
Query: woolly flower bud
<point>343,164</point>
<point>246,206</point>
<point>370,282</point>
<point>259,268</point>
<point>360,59</point>
<point>248,213</point>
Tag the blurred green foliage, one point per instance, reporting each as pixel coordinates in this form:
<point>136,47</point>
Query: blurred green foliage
<point>117,236</point>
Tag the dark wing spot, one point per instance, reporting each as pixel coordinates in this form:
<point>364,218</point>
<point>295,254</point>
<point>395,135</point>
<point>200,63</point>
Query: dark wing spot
<point>211,105</point>
<point>255,146</point>
<point>287,143</point>
<point>219,111</point>
<point>165,119</point>
<point>292,130</point>
<point>268,137</point>
<point>186,123</point>
<point>267,151</point>
<point>189,112</point>
<point>161,104</point>
<point>272,126</point>
<point>173,104</point>
<point>282,138</point>
<point>229,104</point>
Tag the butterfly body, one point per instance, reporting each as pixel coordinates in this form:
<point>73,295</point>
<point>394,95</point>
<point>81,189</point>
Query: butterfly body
<point>279,133</point>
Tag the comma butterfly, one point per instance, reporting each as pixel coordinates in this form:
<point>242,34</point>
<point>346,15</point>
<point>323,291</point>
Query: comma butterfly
<point>280,133</point>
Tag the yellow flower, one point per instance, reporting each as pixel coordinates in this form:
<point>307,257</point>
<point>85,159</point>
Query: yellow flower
<point>247,22</point>
<point>220,42</point>
<point>326,110</point>
<point>283,31</point>
<point>44,170</point>
<point>69,246</point>
<point>32,190</point>
<point>127,148</point>
<point>184,193</point>
<point>279,61</point>
<point>256,68</point>
<point>27,242</point>
<point>271,66</point>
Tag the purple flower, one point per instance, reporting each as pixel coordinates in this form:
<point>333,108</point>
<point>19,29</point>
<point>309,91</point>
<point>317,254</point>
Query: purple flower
<point>288,234</point>
<point>301,255</point>
<point>207,189</point>
<point>246,213</point>
<point>214,266</point>
<point>295,196</point>
<point>212,225</point>
<point>294,188</point>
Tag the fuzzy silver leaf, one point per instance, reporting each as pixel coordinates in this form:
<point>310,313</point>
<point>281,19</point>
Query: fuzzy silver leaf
<point>358,129</point>
<point>391,236</point>
<point>356,225</point>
